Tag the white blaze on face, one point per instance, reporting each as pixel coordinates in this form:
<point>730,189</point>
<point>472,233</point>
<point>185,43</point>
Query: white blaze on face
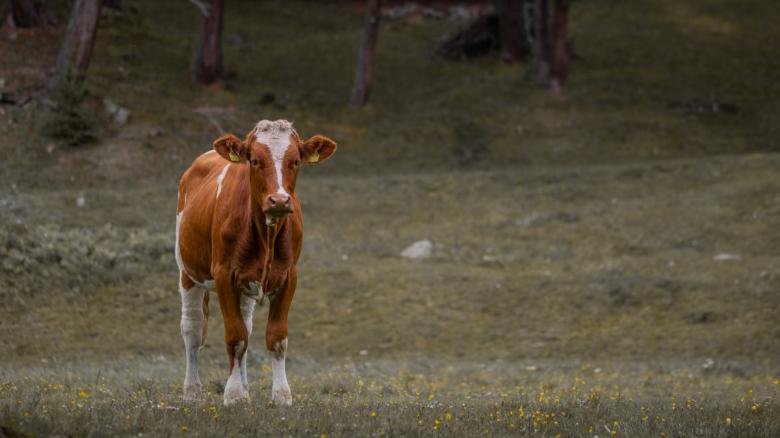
<point>276,135</point>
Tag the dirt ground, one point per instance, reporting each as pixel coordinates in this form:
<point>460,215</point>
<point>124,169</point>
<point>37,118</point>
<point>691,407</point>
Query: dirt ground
<point>609,260</point>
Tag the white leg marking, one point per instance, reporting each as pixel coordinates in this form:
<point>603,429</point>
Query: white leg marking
<point>280,392</point>
<point>247,311</point>
<point>234,389</point>
<point>220,178</point>
<point>192,320</point>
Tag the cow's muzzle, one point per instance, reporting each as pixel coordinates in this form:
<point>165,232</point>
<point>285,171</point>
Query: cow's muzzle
<point>278,205</point>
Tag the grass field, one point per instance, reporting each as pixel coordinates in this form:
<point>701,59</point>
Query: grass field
<point>603,265</point>
<point>391,399</point>
<point>638,323</point>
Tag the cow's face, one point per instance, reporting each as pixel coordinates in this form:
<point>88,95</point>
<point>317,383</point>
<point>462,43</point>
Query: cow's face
<point>274,153</point>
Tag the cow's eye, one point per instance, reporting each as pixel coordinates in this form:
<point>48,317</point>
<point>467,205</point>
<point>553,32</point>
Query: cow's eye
<point>296,163</point>
<point>255,163</point>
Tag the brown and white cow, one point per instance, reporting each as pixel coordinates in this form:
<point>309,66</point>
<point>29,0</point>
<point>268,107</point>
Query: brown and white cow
<point>238,232</point>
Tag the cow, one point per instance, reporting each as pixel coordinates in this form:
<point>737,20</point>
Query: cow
<point>239,232</point>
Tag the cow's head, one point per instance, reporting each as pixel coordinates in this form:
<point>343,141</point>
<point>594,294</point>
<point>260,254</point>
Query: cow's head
<point>274,152</point>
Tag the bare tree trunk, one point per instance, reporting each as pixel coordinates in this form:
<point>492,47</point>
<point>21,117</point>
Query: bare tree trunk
<point>514,45</point>
<point>559,53</point>
<point>76,50</point>
<point>541,46</point>
<point>25,13</point>
<point>362,86</point>
<point>207,67</point>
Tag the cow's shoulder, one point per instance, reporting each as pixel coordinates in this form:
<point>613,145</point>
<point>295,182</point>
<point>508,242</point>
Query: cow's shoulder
<point>202,166</point>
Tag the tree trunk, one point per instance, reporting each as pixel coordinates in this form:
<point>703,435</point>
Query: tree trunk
<point>362,86</point>
<point>76,50</point>
<point>513,42</point>
<point>541,46</point>
<point>25,13</point>
<point>207,67</point>
<point>559,55</point>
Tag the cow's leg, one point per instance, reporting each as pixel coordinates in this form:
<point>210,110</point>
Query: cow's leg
<point>193,325</point>
<point>236,337</point>
<point>276,340</point>
<point>247,311</point>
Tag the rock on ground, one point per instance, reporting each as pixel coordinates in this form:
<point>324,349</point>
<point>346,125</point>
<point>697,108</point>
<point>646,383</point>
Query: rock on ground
<point>418,250</point>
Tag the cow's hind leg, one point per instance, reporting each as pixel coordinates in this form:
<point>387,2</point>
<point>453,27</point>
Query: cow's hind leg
<point>193,331</point>
<point>247,312</point>
<point>236,337</point>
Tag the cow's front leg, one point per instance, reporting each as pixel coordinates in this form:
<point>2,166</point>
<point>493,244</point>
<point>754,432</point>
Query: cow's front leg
<point>276,340</point>
<point>193,330</point>
<point>236,336</point>
<point>247,311</point>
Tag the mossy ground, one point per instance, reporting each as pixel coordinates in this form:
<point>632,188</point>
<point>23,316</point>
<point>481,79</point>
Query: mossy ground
<point>630,228</point>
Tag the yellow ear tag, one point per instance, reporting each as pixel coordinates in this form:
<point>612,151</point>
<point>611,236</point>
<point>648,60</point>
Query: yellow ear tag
<point>314,158</point>
<point>233,157</point>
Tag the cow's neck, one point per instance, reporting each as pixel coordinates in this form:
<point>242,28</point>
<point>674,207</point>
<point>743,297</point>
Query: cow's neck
<point>267,234</point>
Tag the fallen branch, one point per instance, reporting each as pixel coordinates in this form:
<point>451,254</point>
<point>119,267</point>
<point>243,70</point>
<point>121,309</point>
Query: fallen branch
<point>204,9</point>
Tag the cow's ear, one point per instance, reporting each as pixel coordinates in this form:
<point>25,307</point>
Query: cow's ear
<point>231,148</point>
<point>317,149</point>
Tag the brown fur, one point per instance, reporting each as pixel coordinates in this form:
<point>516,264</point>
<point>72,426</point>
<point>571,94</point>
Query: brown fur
<point>227,239</point>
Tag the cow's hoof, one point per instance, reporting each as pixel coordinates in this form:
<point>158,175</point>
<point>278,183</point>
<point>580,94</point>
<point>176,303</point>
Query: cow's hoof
<point>235,392</point>
<point>282,397</point>
<point>191,393</point>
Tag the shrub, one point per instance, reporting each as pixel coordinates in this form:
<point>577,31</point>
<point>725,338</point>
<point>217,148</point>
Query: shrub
<point>71,121</point>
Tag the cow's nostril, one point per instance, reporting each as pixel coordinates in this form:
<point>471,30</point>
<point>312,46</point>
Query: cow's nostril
<point>278,201</point>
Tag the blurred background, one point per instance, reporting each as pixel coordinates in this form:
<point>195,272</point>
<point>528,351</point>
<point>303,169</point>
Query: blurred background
<point>525,192</point>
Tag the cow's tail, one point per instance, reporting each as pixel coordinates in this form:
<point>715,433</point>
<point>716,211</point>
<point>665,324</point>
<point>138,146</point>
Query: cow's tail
<point>205,318</point>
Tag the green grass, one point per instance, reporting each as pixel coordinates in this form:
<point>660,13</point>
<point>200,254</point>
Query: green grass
<point>578,300</point>
<point>382,399</point>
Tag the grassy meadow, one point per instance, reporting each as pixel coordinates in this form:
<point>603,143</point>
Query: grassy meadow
<point>602,265</point>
